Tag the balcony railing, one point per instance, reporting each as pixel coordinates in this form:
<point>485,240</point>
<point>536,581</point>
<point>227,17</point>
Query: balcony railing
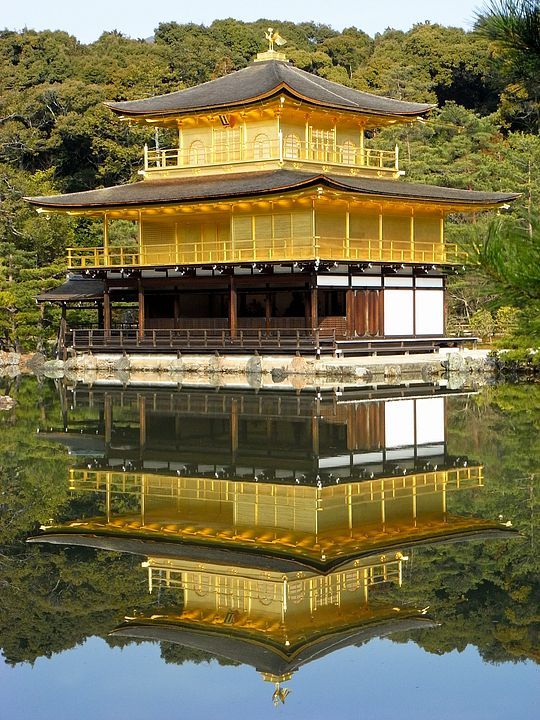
<point>347,155</point>
<point>267,250</point>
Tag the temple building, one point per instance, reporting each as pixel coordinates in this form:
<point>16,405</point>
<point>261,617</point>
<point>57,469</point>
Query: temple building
<point>269,225</point>
<point>274,530</point>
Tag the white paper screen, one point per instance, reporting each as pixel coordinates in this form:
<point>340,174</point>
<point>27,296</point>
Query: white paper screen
<point>429,312</point>
<point>398,312</point>
<point>430,421</point>
<point>399,423</point>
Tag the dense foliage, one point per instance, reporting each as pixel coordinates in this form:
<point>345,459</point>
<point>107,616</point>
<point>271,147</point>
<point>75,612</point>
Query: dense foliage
<point>57,136</point>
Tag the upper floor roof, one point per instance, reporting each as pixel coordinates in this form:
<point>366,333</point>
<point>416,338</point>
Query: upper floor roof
<point>263,81</point>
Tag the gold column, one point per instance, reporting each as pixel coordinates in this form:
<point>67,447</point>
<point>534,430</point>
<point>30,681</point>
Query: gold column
<point>105,239</point>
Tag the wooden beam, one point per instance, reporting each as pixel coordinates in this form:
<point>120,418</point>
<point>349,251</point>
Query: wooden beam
<point>106,309</point>
<point>351,312</point>
<point>140,293</point>
<point>314,305</point>
<point>233,306</point>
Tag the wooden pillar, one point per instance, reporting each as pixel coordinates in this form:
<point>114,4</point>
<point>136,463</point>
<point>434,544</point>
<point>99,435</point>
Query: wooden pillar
<point>106,309</point>
<point>351,312</point>
<point>61,344</point>
<point>140,292</point>
<point>267,310</point>
<point>176,310</point>
<point>315,445</point>
<point>108,419</point>
<point>233,307</point>
<point>142,425</point>
<point>314,305</point>
<point>100,315</point>
<point>234,430</point>
<point>381,313</point>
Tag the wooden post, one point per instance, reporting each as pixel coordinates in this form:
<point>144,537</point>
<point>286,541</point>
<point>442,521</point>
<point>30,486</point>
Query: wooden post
<point>106,311</point>
<point>267,310</point>
<point>233,307</point>
<point>177,310</point>
<point>142,425</point>
<point>140,290</point>
<point>234,430</point>
<point>314,304</point>
<point>61,342</point>
<point>351,314</point>
<point>315,435</point>
<point>108,419</point>
<point>100,315</point>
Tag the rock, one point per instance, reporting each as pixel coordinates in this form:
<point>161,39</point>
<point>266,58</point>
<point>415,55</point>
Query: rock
<point>254,380</point>
<point>363,373</point>
<point>53,365</point>
<point>7,402</point>
<point>392,372</point>
<point>216,364</point>
<point>176,366</point>
<point>254,366</point>
<point>123,364</point>
<point>455,362</point>
<point>279,375</point>
<point>10,358</point>
<point>122,376</point>
<point>82,362</point>
<point>36,362</point>
<point>298,366</point>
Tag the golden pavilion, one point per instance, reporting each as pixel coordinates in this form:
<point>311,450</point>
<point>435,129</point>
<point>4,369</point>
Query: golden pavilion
<point>269,225</point>
<point>277,527</point>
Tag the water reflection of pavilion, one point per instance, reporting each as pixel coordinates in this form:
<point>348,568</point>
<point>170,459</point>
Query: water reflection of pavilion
<point>283,520</point>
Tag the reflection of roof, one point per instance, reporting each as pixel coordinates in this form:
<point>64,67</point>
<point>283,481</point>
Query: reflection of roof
<point>75,289</point>
<point>260,548</point>
<point>179,190</point>
<point>265,80</point>
<point>263,654</point>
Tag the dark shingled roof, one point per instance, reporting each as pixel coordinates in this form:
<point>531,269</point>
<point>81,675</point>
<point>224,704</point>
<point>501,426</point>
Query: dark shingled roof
<point>75,289</point>
<point>263,654</point>
<point>264,80</point>
<point>216,187</point>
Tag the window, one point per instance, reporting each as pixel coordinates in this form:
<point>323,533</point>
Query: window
<point>227,145</point>
<point>348,153</point>
<point>261,147</point>
<point>197,153</point>
<point>292,147</point>
<point>322,145</point>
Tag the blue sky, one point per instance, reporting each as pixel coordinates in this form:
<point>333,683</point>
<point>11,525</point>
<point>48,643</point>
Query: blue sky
<point>87,20</point>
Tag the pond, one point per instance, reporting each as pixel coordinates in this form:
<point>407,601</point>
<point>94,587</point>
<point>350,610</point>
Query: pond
<point>209,552</point>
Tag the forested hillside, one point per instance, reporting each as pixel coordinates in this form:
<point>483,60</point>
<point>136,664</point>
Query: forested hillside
<point>56,135</point>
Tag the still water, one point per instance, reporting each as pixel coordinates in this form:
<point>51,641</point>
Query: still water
<point>212,553</point>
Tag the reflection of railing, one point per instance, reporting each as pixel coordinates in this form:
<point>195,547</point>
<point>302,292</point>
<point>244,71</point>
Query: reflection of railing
<point>348,155</point>
<point>200,488</point>
<point>267,250</point>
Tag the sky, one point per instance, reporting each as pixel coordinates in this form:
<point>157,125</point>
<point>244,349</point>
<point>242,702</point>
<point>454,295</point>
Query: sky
<point>139,18</point>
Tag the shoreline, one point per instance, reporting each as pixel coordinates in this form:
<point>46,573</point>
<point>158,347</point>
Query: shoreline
<point>255,371</point>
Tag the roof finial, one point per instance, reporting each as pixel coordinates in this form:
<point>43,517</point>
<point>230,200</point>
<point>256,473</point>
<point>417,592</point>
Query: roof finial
<point>280,694</point>
<point>274,38</point>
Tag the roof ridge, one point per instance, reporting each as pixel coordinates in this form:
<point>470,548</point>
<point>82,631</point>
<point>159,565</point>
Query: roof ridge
<point>308,77</point>
<point>177,92</point>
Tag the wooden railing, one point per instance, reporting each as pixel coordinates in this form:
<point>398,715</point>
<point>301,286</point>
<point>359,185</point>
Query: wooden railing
<point>281,341</point>
<point>351,156</point>
<point>267,250</point>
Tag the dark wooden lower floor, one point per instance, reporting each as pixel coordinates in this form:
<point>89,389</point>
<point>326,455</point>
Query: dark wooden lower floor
<point>286,341</point>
